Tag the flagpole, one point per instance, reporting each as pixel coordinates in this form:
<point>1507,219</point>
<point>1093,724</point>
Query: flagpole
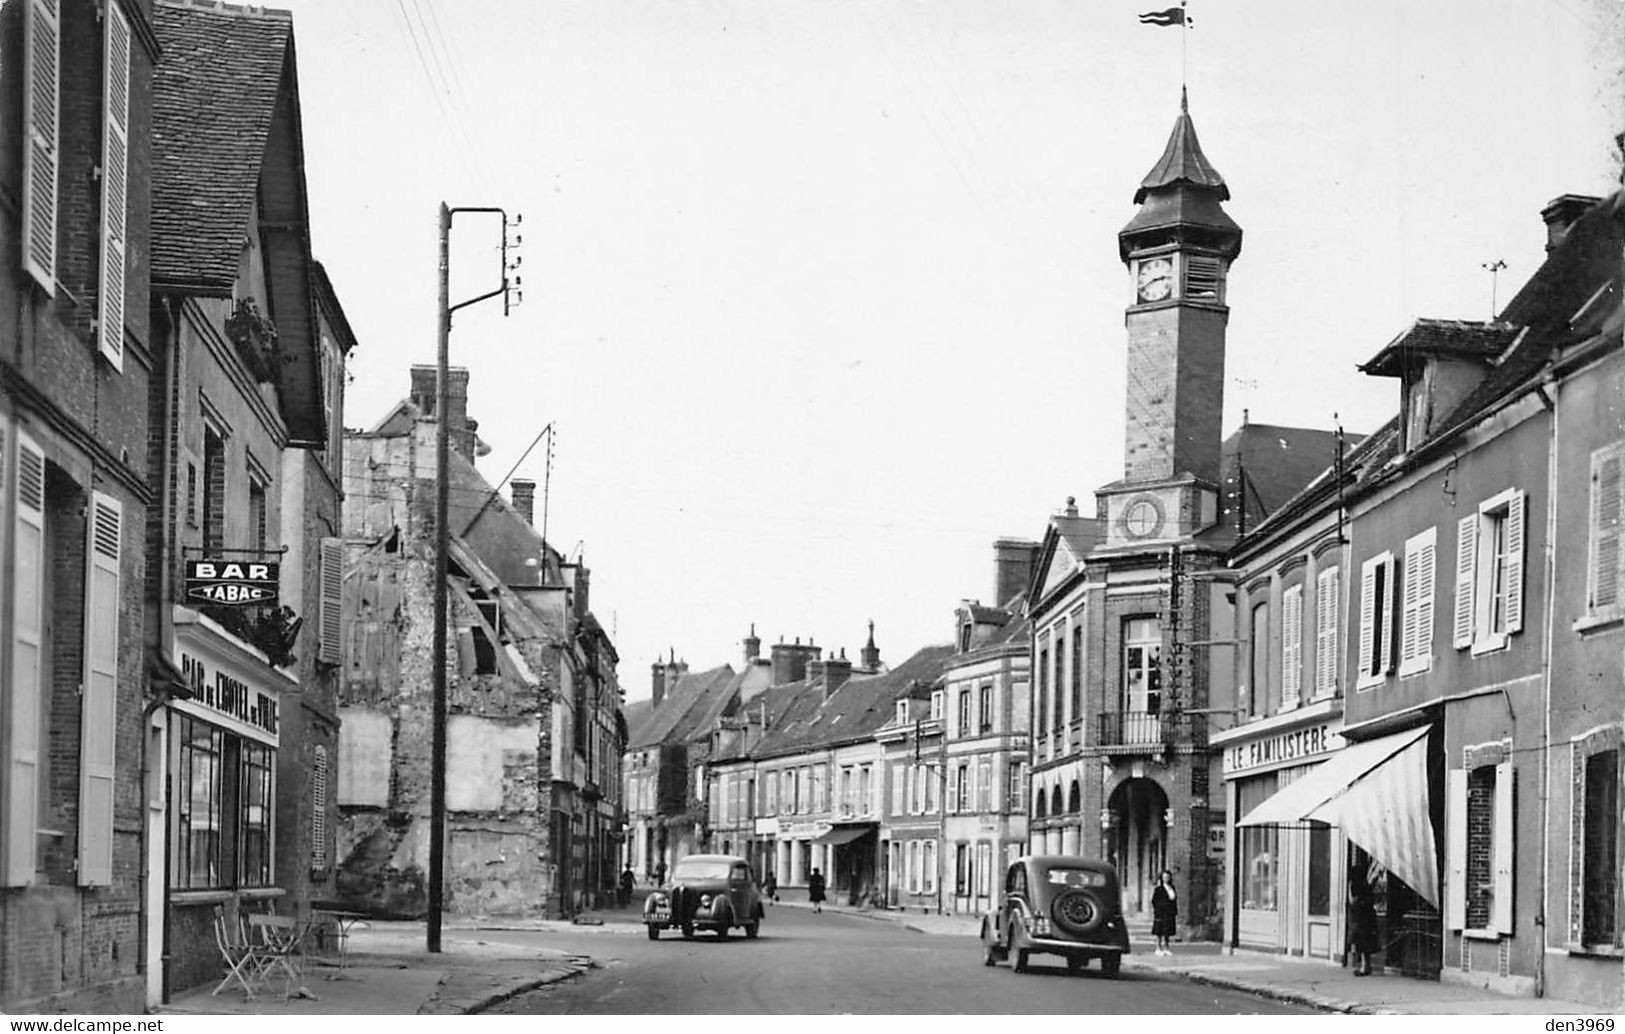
<point>1184,48</point>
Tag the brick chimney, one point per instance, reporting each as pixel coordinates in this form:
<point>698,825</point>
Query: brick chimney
<point>657,682</point>
<point>524,498</point>
<point>1013,563</point>
<point>459,427</point>
<point>790,660</point>
<point>753,646</point>
<point>1560,215</point>
<point>837,671</point>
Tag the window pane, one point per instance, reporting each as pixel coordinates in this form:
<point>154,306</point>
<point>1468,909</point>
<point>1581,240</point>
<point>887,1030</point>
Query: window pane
<point>1320,869</point>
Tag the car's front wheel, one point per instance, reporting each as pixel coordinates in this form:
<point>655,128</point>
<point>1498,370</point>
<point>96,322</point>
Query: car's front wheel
<point>1110,964</point>
<point>753,929</point>
<point>654,932</point>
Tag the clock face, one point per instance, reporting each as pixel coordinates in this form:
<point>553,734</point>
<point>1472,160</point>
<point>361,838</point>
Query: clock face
<point>1156,279</point>
<point>1142,518</point>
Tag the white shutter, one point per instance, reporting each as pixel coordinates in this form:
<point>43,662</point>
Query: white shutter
<point>952,803</point>
<point>318,809</point>
<point>115,169</point>
<point>899,788</point>
<point>1407,610</point>
<point>330,607</point>
<point>1466,577</point>
<point>1514,573</point>
<point>1504,838</point>
<point>27,622</point>
<point>1416,639</point>
<point>1368,607</point>
<point>1455,822</point>
<point>1386,628</point>
<point>1607,502</point>
<point>99,700</point>
<point>41,76</point>
<point>1291,646</point>
<point>1326,658</point>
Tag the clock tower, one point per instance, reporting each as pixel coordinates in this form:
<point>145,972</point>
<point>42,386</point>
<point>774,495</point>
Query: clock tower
<point>1178,249</point>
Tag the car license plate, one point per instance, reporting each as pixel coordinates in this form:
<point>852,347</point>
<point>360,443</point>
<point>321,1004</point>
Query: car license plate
<point>662,913</point>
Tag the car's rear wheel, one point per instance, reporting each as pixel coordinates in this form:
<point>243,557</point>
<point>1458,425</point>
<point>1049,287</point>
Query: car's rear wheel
<point>1018,954</point>
<point>1079,912</point>
<point>654,932</point>
<point>1110,964</point>
<point>753,929</point>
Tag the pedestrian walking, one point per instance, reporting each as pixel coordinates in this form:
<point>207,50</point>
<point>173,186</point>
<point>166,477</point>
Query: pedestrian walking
<point>770,887</point>
<point>1164,912</point>
<point>628,881</point>
<point>1362,921</point>
<point>660,873</point>
<point>815,890</point>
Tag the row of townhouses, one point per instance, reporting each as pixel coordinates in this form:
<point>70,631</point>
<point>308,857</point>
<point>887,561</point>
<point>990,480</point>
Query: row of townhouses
<point>212,599</point>
<point>1277,663</point>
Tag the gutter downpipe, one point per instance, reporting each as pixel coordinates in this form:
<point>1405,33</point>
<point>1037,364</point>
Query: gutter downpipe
<point>1546,684</point>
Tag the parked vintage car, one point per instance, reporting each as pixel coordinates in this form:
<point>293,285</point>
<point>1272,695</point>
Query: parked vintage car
<point>707,892</point>
<point>1057,905</point>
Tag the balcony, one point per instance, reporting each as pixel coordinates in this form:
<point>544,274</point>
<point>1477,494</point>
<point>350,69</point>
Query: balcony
<point>1142,732</point>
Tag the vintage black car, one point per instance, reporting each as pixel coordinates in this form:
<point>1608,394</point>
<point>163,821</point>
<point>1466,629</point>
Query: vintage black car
<point>1057,905</point>
<point>707,892</point>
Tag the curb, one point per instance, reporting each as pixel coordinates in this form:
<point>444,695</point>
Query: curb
<point>1270,991</point>
<point>468,1006</point>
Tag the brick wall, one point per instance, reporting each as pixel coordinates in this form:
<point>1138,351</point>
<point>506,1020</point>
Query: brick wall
<point>1480,846</point>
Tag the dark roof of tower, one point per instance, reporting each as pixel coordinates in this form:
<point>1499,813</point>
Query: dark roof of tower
<point>1182,160</point>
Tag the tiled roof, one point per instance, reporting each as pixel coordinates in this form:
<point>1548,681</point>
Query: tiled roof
<point>851,713</point>
<point>1363,459</point>
<point>213,97</point>
<point>1182,160</point>
<point>679,711</point>
<point>1277,463</point>
<point>1461,338</point>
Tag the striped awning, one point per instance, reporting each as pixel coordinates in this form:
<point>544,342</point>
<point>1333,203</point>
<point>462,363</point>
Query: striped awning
<point>1376,792</point>
<point>1386,812</point>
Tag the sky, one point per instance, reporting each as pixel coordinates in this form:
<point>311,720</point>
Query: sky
<point>821,297</point>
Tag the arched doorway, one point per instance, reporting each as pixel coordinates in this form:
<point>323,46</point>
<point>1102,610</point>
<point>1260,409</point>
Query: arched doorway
<point>1137,840</point>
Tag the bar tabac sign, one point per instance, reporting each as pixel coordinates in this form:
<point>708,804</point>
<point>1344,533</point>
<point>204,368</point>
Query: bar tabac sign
<point>232,583</point>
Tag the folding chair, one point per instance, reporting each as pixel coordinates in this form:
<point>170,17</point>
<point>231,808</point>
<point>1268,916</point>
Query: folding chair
<point>244,960</point>
<point>281,939</point>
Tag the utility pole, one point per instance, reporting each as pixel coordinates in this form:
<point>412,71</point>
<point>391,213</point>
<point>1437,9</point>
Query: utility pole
<point>442,550</point>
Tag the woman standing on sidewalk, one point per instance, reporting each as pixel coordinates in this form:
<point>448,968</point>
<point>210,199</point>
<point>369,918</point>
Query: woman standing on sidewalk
<point>1362,924</point>
<point>815,890</point>
<point>1164,912</point>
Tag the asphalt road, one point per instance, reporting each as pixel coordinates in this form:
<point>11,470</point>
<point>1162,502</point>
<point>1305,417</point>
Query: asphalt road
<point>829,963</point>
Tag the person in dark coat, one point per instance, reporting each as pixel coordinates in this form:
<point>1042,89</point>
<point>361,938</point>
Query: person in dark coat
<point>1164,912</point>
<point>770,887</point>
<point>1362,914</point>
<point>660,873</point>
<point>628,881</point>
<point>815,890</point>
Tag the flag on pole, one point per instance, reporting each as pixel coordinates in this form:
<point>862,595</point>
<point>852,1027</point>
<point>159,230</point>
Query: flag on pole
<point>1171,16</point>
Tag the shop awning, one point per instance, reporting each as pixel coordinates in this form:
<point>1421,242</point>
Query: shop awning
<point>846,834</point>
<point>1376,792</point>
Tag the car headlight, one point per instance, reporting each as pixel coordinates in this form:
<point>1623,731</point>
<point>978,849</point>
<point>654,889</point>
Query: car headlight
<point>705,901</point>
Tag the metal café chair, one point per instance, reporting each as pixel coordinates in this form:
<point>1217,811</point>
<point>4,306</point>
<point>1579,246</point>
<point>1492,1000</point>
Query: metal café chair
<point>281,938</point>
<point>246,961</point>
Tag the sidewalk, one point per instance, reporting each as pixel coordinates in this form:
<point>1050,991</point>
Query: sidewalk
<point>1320,985</point>
<point>390,972</point>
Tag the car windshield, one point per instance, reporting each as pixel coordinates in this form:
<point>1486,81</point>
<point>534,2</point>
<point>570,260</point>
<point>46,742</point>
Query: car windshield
<point>690,869</point>
<point>1075,878</point>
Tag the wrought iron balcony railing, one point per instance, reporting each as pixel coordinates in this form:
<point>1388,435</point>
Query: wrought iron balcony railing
<point>1144,732</point>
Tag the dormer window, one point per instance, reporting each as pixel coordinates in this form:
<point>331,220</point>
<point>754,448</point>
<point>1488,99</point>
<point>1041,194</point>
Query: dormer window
<point>902,712</point>
<point>936,705</point>
<point>964,637</point>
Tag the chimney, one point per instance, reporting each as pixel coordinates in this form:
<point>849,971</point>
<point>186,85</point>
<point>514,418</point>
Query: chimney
<point>1013,563</point>
<point>837,670</point>
<point>790,661</point>
<point>524,498</point>
<point>1560,215</point>
<point>424,392</point>
<point>871,652</point>
<point>753,646</point>
<point>657,672</point>
<point>815,674</point>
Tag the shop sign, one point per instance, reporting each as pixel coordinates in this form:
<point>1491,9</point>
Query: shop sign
<point>1215,840</point>
<point>222,697</point>
<point>804,829</point>
<point>767,827</point>
<point>232,583</point>
<point>1282,748</point>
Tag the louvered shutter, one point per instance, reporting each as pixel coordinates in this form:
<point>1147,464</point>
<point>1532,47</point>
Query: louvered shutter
<point>330,608</point>
<point>99,700</point>
<point>952,804</point>
<point>1466,576</point>
<point>1455,821</point>
<point>1514,573</point>
<point>1388,625</point>
<point>115,167</point>
<point>899,788</point>
<point>1326,659</point>
<point>1416,640</point>
<point>1291,646</point>
<point>41,74</point>
<point>1504,837</point>
<point>1408,616</point>
<point>27,622</point>
<point>318,809</point>
<point>1368,609</point>
<point>1607,501</point>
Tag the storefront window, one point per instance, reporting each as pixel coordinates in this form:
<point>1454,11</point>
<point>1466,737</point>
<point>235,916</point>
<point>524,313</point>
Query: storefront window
<point>254,817</point>
<point>1320,869</point>
<point>1260,847</point>
<point>201,804</point>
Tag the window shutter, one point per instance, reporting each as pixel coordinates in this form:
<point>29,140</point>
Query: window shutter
<point>899,788</point>
<point>330,608</point>
<point>99,700</point>
<point>115,168</point>
<point>27,612</point>
<point>1505,793</point>
<point>1326,658</point>
<point>1416,638</point>
<point>1515,510</point>
<point>1455,821</point>
<point>1408,616</point>
<point>1385,633</point>
<point>952,804</point>
<point>1368,608</point>
<point>41,73</point>
<point>1607,501</point>
<point>318,808</point>
<point>1466,575</point>
<point>1291,646</point>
